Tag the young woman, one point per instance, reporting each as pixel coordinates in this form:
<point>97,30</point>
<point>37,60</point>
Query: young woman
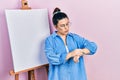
<point>65,50</point>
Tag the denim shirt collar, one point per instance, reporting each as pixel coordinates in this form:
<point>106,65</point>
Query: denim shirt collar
<point>54,34</point>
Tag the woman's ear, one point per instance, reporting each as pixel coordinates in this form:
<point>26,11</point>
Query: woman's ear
<point>55,26</point>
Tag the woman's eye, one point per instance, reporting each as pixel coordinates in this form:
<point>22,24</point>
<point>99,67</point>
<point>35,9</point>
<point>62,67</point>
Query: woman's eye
<point>63,25</point>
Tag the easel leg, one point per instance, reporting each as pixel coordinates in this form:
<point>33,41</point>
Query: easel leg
<point>16,76</point>
<point>31,75</point>
<point>47,68</point>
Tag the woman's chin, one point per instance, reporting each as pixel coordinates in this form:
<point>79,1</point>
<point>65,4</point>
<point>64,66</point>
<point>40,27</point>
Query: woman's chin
<point>65,33</point>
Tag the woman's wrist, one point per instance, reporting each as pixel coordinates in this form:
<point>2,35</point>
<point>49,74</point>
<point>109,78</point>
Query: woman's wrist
<point>85,51</point>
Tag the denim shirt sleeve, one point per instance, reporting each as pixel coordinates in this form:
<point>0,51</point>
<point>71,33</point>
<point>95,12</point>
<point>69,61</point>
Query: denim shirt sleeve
<point>53,58</point>
<point>84,43</point>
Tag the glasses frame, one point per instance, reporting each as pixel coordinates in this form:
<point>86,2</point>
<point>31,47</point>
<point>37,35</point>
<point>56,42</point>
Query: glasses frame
<point>64,25</point>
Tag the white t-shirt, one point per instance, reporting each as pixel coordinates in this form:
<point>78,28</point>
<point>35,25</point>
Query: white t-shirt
<point>67,48</point>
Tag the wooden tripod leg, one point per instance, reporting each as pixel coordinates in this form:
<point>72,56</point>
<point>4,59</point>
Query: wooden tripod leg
<point>16,76</point>
<point>47,68</point>
<point>31,75</point>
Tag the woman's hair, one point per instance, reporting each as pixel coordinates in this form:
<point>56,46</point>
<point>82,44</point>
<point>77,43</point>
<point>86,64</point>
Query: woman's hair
<point>58,15</point>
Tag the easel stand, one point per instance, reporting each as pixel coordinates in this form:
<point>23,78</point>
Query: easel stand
<point>31,74</point>
<point>16,76</point>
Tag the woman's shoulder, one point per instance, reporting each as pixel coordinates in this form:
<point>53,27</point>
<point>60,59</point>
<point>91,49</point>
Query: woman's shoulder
<point>74,35</point>
<point>51,36</point>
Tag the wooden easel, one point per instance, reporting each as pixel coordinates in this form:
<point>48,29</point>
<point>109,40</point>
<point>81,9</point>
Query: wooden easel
<point>25,5</point>
<point>31,74</point>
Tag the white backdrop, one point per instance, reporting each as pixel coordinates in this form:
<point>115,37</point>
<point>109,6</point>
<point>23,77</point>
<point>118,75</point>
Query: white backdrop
<point>27,32</point>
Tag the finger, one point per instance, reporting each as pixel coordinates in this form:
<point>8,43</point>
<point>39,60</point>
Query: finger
<point>68,57</point>
<point>75,59</point>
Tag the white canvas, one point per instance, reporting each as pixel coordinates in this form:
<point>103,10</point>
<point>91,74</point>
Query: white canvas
<point>27,32</point>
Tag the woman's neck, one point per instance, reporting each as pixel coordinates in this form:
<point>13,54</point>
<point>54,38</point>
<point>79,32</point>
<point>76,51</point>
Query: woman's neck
<point>63,37</point>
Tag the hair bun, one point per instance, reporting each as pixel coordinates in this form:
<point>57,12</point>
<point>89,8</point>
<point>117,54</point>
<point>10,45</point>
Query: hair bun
<point>56,10</point>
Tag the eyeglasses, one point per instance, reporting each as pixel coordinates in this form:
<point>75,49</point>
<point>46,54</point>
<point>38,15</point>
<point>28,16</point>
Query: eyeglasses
<point>63,25</point>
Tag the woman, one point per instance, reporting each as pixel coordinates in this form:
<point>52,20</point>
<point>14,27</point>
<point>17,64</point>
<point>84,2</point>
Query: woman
<point>65,50</point>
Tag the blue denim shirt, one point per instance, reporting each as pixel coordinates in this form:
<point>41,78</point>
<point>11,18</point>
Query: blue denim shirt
<point>59,68</point>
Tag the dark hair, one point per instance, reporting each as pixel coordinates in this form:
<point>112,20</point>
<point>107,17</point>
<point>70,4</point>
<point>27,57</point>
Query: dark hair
<point>58,15</point>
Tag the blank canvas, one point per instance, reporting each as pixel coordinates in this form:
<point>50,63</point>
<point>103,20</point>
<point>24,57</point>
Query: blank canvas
<point>27,32</point>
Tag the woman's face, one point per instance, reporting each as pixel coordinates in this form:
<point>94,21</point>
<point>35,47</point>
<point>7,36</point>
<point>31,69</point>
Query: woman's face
<point>63,26</point>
